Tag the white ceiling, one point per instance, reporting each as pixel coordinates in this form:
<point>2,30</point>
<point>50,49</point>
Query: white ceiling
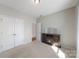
<point>44,8</point>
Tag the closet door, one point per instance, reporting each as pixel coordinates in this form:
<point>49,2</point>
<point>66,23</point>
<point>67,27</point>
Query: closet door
<point>11,32</point>
<point>19,32</point>
<point>1,34</point>
<point>7,30</point>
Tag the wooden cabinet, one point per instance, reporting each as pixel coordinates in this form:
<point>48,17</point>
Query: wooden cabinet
<point>50,38</point>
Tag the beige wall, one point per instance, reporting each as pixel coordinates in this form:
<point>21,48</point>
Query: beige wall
<point>65,22</point>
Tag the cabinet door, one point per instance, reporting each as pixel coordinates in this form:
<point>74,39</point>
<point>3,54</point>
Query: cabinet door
<point>19,32</point>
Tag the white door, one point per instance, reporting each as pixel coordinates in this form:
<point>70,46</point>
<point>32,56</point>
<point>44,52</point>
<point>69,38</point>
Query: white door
<point>7,27</point>
<point>1,34</point>
<point>19,32</point>
<point>39,31</point>
<point>33,30</point>
<point>11,32</point>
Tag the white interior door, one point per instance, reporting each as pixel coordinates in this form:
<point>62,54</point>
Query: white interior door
<point>33,30</point>
<point>39,31</point>
<point>11,32</point>
<point>19,32</point>
<point>1,34</point>
<point>6,32</point>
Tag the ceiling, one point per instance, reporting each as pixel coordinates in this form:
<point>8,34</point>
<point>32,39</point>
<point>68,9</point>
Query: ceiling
<point>44,8</point>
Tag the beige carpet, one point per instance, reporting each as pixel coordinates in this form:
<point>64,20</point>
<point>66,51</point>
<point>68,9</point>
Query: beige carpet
<point>33,50</point>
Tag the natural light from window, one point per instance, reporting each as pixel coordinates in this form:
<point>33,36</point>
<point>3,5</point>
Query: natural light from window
<point>58,51</point>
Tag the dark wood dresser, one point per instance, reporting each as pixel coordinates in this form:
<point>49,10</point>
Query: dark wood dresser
<point>50,38</point>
